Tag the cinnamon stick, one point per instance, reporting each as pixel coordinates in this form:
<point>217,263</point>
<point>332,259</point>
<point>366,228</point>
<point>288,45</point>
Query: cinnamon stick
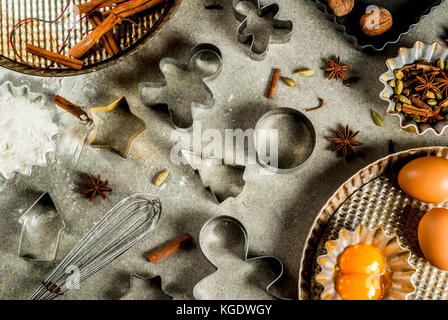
<point>81,48</point>
<point>273,85</point>
<point>170,248</point>
<point>133,7</point>
<point>107,40</point>
<point>72,108</point>
<point>91,5</point>
<point>55,57</point>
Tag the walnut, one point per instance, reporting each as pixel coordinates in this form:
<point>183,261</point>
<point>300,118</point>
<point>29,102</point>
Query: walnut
<point>376,22</point>
<point>341,7</point>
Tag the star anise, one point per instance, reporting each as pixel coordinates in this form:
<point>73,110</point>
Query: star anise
<point>95,187</point>
<point>345,141</point>
<point>426,85</point>
<point>337,69</point>
<point>433,116</point>
<point>442,83</point>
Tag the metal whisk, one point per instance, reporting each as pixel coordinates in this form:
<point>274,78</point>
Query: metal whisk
<point>128,222</point>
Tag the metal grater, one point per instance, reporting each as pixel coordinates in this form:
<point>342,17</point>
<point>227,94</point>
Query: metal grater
<point>380,204</point>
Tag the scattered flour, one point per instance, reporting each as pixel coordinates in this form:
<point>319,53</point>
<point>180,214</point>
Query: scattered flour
<point>26,130</point>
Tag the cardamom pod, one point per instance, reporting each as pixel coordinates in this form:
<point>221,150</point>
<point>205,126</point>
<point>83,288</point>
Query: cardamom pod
<point>376,118</point>
<point>416,117</point>
<point>398,107</point>
<point>162,177</point>
<point>410,129</point>
<point>403,99</point>
<point>432,102</point>
<point>441,64</point>
<point>305,72</point>
<point>399,74</point>
<point>289,82</point>
<point>430,95</point>
<point>398,87</point>
<point>406,92</point>
<point>392,83</point>
<point>439,96</point>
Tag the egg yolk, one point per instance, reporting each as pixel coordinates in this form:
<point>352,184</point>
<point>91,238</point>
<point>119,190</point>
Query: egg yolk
<point>359,287</point>
<point>361,258</point>
<point>359,273</point>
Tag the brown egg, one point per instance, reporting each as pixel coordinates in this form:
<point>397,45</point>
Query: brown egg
<point>433,237</point>
<point>425,179</point>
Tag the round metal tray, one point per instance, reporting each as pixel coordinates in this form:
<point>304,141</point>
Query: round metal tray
<point>51,36</point>
<point>371,198</point>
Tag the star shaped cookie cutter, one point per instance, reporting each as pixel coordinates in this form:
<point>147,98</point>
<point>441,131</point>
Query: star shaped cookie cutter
<point>227,233</point>
<point>249,38</point>
<point>204,61</point>
<point>115,139</point>
<point>154,283</point>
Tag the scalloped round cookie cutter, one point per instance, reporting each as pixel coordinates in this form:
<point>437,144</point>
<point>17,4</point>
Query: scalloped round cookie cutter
<point>204,58</point>
<point>212,234</point>
<point>277,24</point>
<point>296,139</point>
<point>7,89</point>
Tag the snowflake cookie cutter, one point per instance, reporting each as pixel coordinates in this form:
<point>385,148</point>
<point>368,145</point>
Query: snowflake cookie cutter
<point>153,283</point>
<point>249,38</point>
<point>231,190</point>
<point>204,63</point>
<point>115,139</point>
<point>42,229</point>
<point>222,235</point>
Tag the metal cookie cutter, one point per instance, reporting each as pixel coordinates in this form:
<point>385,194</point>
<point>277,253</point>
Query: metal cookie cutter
<point>42,229</point>
<point>225,182</point>
<point>126,224</point>
<point>123,127</point>
<point>185,84</point>
<point>296,139</point>
<point>282,29</point>
<point>224,242</point>
<point>145,288</point>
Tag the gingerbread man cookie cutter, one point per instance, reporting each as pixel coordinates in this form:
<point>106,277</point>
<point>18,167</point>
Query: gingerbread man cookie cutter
<point>249,38</point>
<point>204,63</point>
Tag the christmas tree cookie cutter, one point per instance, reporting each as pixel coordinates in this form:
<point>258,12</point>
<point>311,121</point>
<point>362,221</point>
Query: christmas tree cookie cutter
<point>116,127</point>
<point>206,166</point>
<point>282,29</point>
<point>185,85</point>
<point>153,289</point>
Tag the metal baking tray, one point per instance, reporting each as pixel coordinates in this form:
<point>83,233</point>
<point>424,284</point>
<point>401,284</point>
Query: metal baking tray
<point>371,198</point>
<point>51,36</point>
<point>405,14</point>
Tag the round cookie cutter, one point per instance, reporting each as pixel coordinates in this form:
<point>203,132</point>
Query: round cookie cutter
<point>296,139</point>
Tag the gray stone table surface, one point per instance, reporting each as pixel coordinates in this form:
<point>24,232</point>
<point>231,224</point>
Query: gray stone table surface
<point>277,210</point>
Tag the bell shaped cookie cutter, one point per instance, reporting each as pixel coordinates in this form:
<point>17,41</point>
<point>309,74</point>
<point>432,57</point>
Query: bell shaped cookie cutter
<point>116,138</point>
<point>155,283</point>
<point>205,63</point>
<point>42,229</point>
<point>249,38</point>
<point>224,242</point>
<point>235,172</point>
